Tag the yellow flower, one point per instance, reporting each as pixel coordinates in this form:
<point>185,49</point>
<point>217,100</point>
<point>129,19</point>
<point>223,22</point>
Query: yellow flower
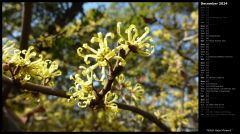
<point>8,48</point>
<point>84,91</point>
<point>102,56</point>
<point>137,92</point>
<point>124,84</point>
<point>133,42</point>
<point>27,64</point>
<point>52,71</point>
<point>109,100</point>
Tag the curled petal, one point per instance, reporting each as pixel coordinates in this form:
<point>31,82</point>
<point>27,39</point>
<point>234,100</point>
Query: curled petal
<point>17,52</point>
<point>147,30</point>
<point>121,41</point>
<point>110,97</point>
<point>105,39</point>
<point>146,52</point>
<point>129,32</point>
<point>85,45</point>
<point>137,86</point>
<point>135,34</point>
<point>96,78</point>
<point>94,66</point>
<point>85,72</point>
<point>121,78</point>
<point>119,28</point>
<point>113,107</point>
<point>103,73</point>
<point>38,62</point>
<point>122,61</point>
<point>146,39</point>
<point>125,47</point>
<point>87,56</point>
<point>95,39</point>
<point>57,73</point>
<point>100,39</point>
<point>71,77</point>
<point>79,51</point>
<point>24,51</point>
<point>82,67</point>
<point>71,89</point>
<point>153,49</point>
<point>78,79</point>
<point>30,54</point>
<point>82,104</point>
<point>27,77</point>
<point>110,55</point>
<point>144,46</point>
<point>102,64</point>
<point>89,77</point>
<point>53,66</point>
<point>100,35</point>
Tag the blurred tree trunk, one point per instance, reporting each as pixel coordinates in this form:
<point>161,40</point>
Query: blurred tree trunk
<point>11,123</point>
<point>26,24</point>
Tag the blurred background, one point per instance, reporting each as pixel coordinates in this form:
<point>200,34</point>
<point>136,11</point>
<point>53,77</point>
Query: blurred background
<point>169,77</point>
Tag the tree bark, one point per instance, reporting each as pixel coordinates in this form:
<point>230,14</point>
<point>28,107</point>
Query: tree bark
<point>26,24</point>
<point>61,93</point>
<point>145,114</point>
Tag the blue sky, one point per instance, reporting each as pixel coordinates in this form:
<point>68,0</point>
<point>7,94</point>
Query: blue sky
<point>91,5</point>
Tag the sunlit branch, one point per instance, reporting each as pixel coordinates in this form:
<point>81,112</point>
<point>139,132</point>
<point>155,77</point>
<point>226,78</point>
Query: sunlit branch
<point>147,115</point>
<point>60,93</point>
<point>34,87</point>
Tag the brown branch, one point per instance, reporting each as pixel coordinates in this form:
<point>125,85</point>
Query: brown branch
<point>61,93</point>
<point>38,88</point>
<point>144,114</point>
<point>108,86</point>
<point>110,67</point>
<point>11,122</point>
<point>26,24</point>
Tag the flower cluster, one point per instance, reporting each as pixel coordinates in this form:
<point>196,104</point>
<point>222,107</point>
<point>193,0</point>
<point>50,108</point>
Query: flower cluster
<point>134,43</point>
<point>23,65</point>
<point>103,58</point>
<point>84,92</point>
<point>136,92</point>
<point>110,106</point>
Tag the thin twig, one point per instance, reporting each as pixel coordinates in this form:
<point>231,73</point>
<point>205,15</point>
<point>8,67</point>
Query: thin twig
<point>179,47</point>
